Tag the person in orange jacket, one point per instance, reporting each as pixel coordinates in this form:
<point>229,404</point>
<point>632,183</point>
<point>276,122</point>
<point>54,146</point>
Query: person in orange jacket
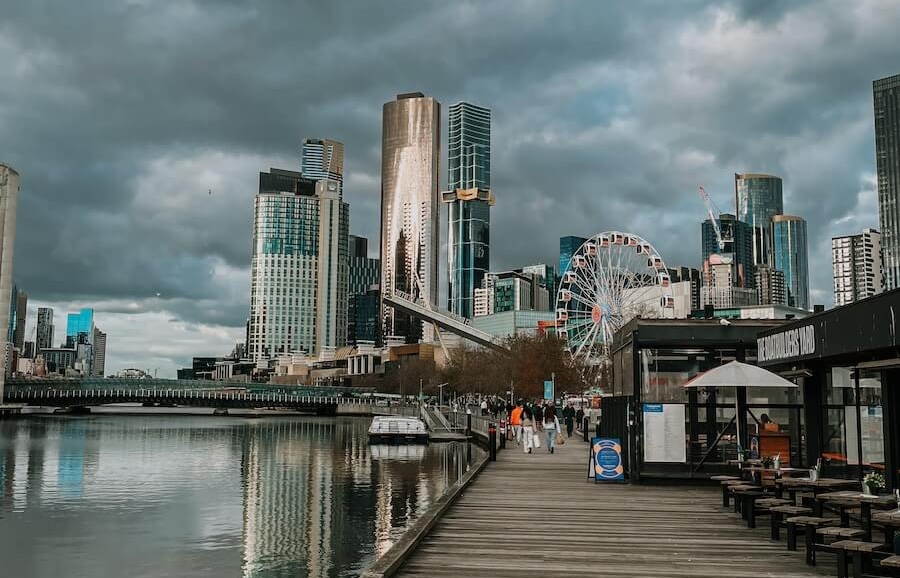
<point>515,421</point>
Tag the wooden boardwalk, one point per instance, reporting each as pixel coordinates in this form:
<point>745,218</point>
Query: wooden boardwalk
<point>537,515</point>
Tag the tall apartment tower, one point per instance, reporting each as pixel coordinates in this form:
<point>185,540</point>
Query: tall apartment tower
<point>769,286</point>
<point>322,159</point>
<point>98,367</point>
<point>469,200</point>
<point>758,198</point>
<point>299,266</point>
<point>856,263</point>
<point>365,278</point>
<point>887,162</point>
<point>791,257</point>
<point>18,310</point>
<point>737,237</point>
<point>410,161</point>
<point>44,329</point>
<point>9,194</point>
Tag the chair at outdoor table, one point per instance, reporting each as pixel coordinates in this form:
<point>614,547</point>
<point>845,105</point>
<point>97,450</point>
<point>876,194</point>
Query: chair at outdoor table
<point>726,481</point>
<point>889,521</point>
<point>857,552</point>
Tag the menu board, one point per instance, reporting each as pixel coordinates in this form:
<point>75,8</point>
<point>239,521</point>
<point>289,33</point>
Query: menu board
<point>664,433</point>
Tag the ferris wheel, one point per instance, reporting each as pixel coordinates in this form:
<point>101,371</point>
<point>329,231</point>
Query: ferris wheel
<point>612,278</point>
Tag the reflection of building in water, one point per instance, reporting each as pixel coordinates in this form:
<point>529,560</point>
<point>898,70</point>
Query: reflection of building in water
<point>290,493</point>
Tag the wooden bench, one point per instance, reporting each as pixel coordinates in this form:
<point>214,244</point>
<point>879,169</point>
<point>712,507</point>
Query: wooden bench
<point>732,481</point>
<point>859,552</point>
<point>809,524</point>
<point>890,562</point>
<point>736,490</point>
<point>759,506</point>
<point>778,513</point>
<point>835,533</point>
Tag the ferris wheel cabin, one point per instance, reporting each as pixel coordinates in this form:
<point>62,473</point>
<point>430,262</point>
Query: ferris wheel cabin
<point>565,295</point>
<point>664,280</point>
<point>618,239</point>
<point>656,262</point>
<point>604,241</point>
<point>570,277</point>
<point>562,314</point>
<point>643,249</point>
<point>590,249</point>
<point>579,261</point>
<point>667,302</point>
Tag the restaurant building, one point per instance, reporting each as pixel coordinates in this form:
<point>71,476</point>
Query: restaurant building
<point>670,431</point>
<point>847,362</point>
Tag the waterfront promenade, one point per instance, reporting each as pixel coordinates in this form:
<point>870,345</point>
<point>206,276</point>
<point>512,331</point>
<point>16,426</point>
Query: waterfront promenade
<point>538,515</point>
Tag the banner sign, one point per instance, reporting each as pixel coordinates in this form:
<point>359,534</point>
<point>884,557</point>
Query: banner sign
<point>787,344</point>
<point>548,390</point>
<point>606,460</point>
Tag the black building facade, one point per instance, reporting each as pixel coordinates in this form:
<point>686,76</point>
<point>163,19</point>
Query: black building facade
<point>847,361</point>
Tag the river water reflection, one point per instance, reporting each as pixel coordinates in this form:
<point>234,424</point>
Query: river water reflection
<point>164,496</point>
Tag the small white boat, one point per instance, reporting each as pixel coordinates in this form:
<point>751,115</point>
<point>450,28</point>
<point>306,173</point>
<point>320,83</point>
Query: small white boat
<point>397,429</point>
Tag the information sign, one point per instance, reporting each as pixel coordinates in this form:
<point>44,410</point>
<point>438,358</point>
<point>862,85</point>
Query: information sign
<point>606,460</point>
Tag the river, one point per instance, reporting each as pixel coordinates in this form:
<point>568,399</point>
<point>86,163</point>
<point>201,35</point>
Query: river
<point>165,496</point>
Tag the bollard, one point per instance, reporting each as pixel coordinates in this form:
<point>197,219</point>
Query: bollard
<point>598,428</point>
<point>492,442</point>
<point>468,425</point>
<point>584,428</point>
<point>503,434</point>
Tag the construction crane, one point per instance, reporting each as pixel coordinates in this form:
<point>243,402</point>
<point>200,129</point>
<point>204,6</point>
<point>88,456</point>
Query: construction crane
<point>713,211</point>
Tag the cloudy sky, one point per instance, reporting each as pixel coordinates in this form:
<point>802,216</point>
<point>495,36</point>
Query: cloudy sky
<point>121,115</point>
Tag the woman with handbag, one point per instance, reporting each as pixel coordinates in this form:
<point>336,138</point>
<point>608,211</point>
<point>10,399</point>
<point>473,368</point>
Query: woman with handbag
<point>551,426</point>
<point>527,430</point>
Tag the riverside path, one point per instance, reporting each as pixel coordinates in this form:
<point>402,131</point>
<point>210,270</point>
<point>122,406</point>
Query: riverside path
<point>538,515</point>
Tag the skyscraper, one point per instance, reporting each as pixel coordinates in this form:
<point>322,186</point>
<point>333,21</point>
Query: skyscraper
<point>98,368</point>
<point>18,309</point>
<point>79,323</point>
<point>737,237</point>
<point>44,329</point>
<point>769,286</point>
<point>9,193</point>
<point>791,257</point>
<point>758,198</point>
<point>567,247</point>
<point>887,161</point>
<point>469,201</point>
<point>856,264</point>
<point>299,267</point>
<point>365,277</point>
<point>410,160</point>
<point>322,159</point>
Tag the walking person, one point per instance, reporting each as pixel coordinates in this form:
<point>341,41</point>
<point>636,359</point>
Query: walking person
<point>515,421</point>
<point>551,426</point>
<point>569,417</point>
<point>528,434</point>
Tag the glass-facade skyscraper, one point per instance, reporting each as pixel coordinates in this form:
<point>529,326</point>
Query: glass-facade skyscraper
<point>469,200</point>
<point>791,256</point>
<point>886,93</point>
<point>410,161</point>
<point>758,198</point>
<point>737,239</point>
<point>299,266</point>
<point>567,247</point>
<point>81,322</point>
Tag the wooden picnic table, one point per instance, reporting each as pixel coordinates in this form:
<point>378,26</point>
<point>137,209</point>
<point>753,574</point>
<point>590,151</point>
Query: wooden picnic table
<point>794,485</point>
<point>865,502</point>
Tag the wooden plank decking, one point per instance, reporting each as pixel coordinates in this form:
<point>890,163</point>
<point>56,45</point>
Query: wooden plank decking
<point>537,515</point>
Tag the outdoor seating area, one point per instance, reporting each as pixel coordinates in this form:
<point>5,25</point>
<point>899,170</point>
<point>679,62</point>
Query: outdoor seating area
<point>835,523</point>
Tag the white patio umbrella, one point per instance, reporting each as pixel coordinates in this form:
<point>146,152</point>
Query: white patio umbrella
<point>738,375</point>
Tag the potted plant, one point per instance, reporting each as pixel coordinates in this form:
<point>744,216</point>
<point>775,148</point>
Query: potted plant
<point>873,483</point>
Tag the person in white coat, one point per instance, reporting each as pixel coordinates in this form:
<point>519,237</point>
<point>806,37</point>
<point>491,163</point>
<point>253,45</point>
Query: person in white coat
<point>551,426</point>
<point>527,430</point>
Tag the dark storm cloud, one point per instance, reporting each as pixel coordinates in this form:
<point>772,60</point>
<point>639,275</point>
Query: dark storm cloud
<point>121,115</point>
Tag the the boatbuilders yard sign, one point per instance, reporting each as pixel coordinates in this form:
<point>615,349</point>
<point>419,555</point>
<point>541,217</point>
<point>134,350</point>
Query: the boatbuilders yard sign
<point>787,344</point>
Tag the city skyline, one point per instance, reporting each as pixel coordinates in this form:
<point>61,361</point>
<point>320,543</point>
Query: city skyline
<point>611,148</point>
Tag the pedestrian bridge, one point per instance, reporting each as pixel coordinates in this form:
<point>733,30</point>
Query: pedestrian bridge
<point>98,391</point>
<point>443,319</point>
